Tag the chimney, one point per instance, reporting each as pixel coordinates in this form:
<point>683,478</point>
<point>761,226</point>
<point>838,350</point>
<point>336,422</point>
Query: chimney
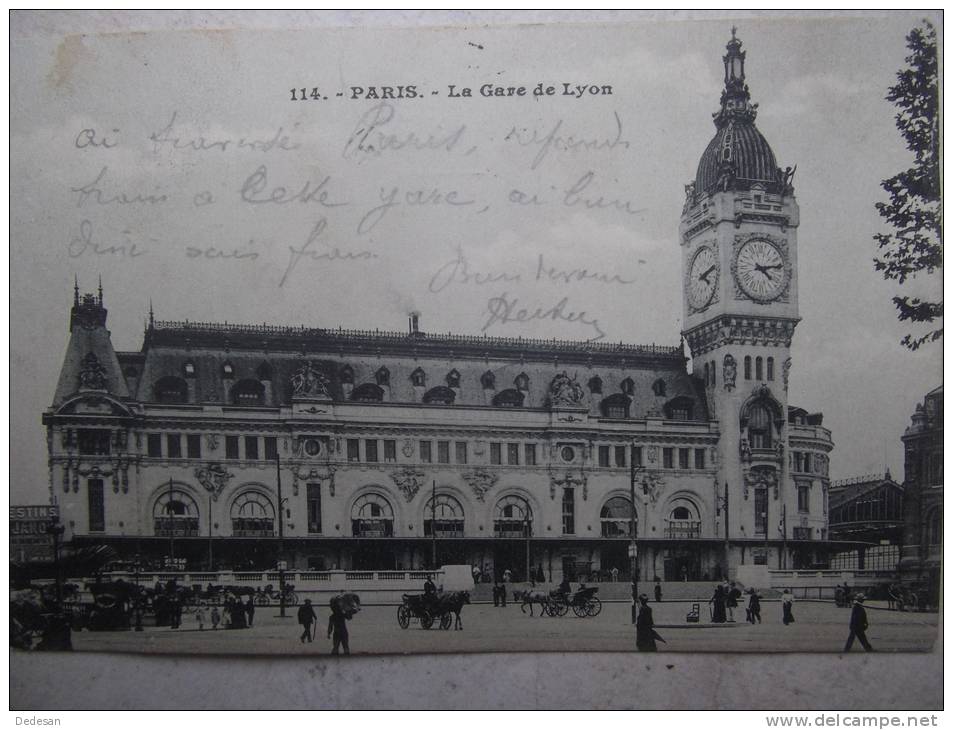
<point>414,323</point>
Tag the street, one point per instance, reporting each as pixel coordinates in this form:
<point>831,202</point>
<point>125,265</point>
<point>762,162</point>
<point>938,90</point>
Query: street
<point>818,627</point>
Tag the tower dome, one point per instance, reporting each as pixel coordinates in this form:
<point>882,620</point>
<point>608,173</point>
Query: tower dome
<point>738,157</point>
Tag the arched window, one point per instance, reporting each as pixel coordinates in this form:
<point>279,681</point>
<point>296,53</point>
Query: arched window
<point>758,369</point>
<point>759,427</point>
<point>372,516</point>
<point>513,517</point>
<point>227,370</point>
<point>253,515</point>
<point>658,387</point>
<point>770,368</point>
<point>683,522</point>
<point>615,406</point>
<point>747,367</point>
<point>264,371</point>
<point>347,375</point>
<point>510,398</point>
<point>382,376</point>
<point>627,386</point>
<point>171,389</point>
<point>679,409</point>
<point>441,395</point>
<point>522,381</point>
<point>188,370</point>
<point>616,517</point>
<point>368,393</point>
<point>595,384</point>
<point>707,375</point>
<point>248,393</point>
<point>418,378</point>
<point>488,380</point>
<point>445,516</point>
<point>175,513</point>
<point>453,379</point>
<point>713,372</point>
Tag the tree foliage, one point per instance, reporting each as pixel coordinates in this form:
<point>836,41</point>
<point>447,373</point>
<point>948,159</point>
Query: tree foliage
<point>915,208</point>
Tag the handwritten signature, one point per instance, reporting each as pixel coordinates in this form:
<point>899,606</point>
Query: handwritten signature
<point>504,309</point>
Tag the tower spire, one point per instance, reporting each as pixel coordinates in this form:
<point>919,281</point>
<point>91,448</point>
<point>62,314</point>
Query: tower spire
<point>152,320</point>
<point>75,290</point>
<point>100,289</point>
<point>735,99</point>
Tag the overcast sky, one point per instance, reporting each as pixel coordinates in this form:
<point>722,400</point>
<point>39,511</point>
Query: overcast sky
<point>389,222</point>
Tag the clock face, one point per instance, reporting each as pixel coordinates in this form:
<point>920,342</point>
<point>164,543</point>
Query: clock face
<point>760,270</point>
<point>702,278</point>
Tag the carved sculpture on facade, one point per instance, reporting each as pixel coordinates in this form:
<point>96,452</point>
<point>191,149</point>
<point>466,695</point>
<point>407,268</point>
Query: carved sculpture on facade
<point>305,474</point>
<point>408,481</point>
<point>481,481</point>
<point>653,486</point>
<point>211,441</point>
<point>92,374</point>
<point>214,477</point>
<point>761,478</point>
<point>310,382</point>
<point>652,453</point>
<point>745,448</point>
<point>407,448</point>
<point>565,391</point>
<point>729,371</point>
<point>569,480</point>
<point>786,371</point>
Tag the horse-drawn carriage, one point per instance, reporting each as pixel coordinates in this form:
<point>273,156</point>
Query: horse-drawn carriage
<point>583,603</point>
<point>431,608</point>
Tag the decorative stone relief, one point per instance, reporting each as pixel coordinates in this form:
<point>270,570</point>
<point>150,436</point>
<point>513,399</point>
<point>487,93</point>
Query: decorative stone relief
<point>565,391</point>
<point>481,481</point>
<point>654,485</point>
<point>311,474</point>
<point>211,441</point>
<point>729,371</point>
<point>786,371</point>
<point>569,480</point>
<point>652,453</point>
<point>408,481</point>
<point>92,374</point>
<point>214,477</point>
<point>761,478</point>
<point>308,381</point>
<point>407,448</point>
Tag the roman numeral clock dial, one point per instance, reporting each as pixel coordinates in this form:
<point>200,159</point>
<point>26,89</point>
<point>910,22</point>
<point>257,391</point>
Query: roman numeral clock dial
<point>761,270</point>
<point>702,278</point>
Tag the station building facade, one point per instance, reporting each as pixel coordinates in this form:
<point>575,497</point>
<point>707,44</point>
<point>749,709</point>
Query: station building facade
<point>234,445</point>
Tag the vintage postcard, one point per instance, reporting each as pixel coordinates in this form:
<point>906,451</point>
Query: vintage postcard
<point>517,338</point>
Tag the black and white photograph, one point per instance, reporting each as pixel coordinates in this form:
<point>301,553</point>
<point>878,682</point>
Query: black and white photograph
<point>352,342</point>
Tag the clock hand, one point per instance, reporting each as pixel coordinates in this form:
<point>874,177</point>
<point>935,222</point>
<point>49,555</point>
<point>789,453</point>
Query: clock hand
<point>764,270</point>
<point>704,276</point>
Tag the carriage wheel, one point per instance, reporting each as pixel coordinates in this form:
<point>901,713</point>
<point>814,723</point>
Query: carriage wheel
<point>562,608</point>
<point>579,610</point>
<point>446,621</point>
<point>426,620</point>
<point>593,607</point>
<point>403,617</point>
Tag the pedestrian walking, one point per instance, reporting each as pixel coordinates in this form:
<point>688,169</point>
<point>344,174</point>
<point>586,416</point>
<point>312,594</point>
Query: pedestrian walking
<point>201,616</point>
<point>614,573</point>
<point>337,631</point>
<point>175,612</point>
<point>731,603</point>
<point>507,576</point>
<point>754,606</point>
<point>306,617</point>
<point>645,635</point>
<point>476,575</point>
<point>684,574</point>
<point>787,607</point>
<point>858,625</point>
<point>496,595</point>
<point>216,617</point>
<point>250,611</point>
<point>718,601</point>
<point>658,590</point>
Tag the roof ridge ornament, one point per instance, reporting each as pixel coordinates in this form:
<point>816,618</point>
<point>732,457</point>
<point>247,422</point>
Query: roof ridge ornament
<point>735,99</point>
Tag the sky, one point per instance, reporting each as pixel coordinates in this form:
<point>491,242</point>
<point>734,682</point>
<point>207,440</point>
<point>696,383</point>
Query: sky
<point>178,166</point>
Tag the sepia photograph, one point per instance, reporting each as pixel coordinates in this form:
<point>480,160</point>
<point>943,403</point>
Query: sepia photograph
<point>339,337</point>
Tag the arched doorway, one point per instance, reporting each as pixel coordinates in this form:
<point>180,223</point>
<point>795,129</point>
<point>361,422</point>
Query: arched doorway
<point>372,520</point>
<point>512,530</point>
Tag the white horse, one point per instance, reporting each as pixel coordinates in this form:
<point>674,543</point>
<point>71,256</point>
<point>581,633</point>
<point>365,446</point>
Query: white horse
<point>529,598</point>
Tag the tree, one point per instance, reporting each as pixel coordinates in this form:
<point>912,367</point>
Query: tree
<point>915,208</point>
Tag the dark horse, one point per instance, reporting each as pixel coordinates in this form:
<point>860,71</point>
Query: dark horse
<point>452,602</point>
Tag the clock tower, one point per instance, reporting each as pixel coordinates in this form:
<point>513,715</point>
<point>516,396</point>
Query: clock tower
<point>738,236</point>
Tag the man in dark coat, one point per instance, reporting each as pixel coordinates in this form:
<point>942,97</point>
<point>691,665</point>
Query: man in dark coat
<point>306,617</point>
<point>337,630</point>
<point>658,590</point>
<point>731,602</point>
<point>858,625</point>
<point>645,627</point>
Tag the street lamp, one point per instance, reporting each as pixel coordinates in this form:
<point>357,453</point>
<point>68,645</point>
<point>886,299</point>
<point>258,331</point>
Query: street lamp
<point>633,532</point>
<point>138,625</point>
<point>526,531</point>
<point>56,530</point>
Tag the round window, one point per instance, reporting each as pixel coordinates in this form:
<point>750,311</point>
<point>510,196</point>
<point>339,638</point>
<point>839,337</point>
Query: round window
<point>568,453</point>
<point>312,447</point>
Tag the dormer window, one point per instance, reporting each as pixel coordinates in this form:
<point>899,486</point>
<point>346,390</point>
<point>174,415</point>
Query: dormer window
<point>595,384</point>
<point>658,387</point>
<point>171,390</point>
<point>522,381</point>
<point>679,409</point>
<point>418,378</point>
<point>615,406</point>
<point>228,371</point>
<point>441,395</point>
<point>347,375</point>
<point>510,398</point>
<point>453,379</point>
<point>264,371</point>
<point>382,376</point>
<point>248,393</point>
<point>488,380</point>
<point>628,386</point>
<point>189,369</point>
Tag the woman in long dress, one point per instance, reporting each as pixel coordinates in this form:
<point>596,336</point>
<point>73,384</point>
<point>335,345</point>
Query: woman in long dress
<point>718,615</point>
<point>645,627</point>
<point>787,607</point>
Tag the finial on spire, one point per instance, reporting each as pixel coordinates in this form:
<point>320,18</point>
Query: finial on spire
<point>734,30</point>
<point>100,288</point>
<point>152,320</point>
<point>75,290</point>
